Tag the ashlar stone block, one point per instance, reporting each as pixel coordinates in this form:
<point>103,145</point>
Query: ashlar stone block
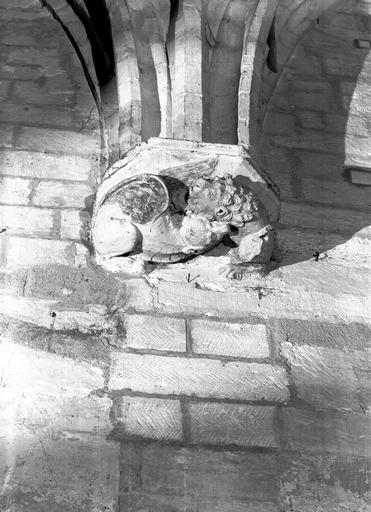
<point>151,418</point>
<point>155,333</point>
<point>221,424</point>
<point>229,339</point>
<point>200,377</point>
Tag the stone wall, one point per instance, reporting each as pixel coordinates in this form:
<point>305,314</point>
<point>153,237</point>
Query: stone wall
<point>50,158</point>
<point>316,126</point>
<point>158,393</point>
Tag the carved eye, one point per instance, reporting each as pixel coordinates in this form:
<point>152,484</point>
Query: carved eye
<point>221,211</point>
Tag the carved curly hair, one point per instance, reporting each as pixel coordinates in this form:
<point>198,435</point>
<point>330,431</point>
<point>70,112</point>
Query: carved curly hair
<point>218,199</point>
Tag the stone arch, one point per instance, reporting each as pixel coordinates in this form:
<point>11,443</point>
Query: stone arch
<point>292,20</point>
<point>314,128</point>
<point>74,19</point>
<point>253,60</point>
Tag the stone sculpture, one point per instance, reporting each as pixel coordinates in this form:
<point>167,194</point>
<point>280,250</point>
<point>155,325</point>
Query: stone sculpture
<point>181,135</point>
<point>168,218</point>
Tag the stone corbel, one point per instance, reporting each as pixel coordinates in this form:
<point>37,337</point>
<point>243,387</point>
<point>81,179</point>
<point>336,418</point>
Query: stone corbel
<point>189,99</point>
<point>155,208</point>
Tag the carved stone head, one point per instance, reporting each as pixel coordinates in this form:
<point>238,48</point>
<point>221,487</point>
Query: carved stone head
<point>218,199</point>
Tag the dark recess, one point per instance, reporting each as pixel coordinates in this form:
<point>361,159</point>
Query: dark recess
<point>272,54</point>
<point>98,29</point>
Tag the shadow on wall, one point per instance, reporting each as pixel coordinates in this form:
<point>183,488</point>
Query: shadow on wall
<point>317,125</point>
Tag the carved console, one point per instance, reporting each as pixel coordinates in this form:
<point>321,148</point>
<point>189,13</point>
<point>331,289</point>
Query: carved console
<point>168,201</point>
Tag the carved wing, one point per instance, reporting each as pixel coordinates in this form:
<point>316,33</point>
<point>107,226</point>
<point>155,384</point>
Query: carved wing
<point>143,198</point>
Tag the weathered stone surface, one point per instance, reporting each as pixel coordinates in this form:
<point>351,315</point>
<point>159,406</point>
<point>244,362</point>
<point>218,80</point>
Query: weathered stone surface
<point>328,432</point>
<point>277,303</point>
<point>47,313</point>
<point>95,318</point>
<point>232,424</point>
<point>311,120</point>
<point>59,194</point>
<point>352,125</point>
<point>51,417</point>
<point>305,100</point>
<point>27,309</point>
<point>77,287</point>
<point>324,482</point>
<point>49,391</point>
<point>31,92</point>
<point>362,370</point>
<point>136,294</point>
<point>187,72</point>
<point>335,193</point>
<point>200,475</point>
<point>60,474</point>
<point>152,418</point>
<point>20,72</point>
<point>323,377</point>
<point>4,86</point>
<point>44,57</point>
<point>12,283</point>
<point>307,216</point>
<point>296,245</point>
<point>314,85</point>
<point>313,140</point>
<point>229,339</point>
<point>226,22</point>
<point>73,223</point>
<point>352,336</point>
<point>21,15</point>
<point>341,65</point>
<point>26,221</point>
<point>43,115</point>
<point>201,377</point>
<point>6,135</point>
<point>23,252</point>
<point>74,345</point>
<point>281,123</point>
<point>63,141</point>
<point>132,502</point>
<point>15,191</point>
<point>155,333</point>
<point>40,165</point>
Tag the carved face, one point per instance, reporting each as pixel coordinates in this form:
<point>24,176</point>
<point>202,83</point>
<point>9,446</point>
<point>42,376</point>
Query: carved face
<point>217,199</point>
<point>208,197</point>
